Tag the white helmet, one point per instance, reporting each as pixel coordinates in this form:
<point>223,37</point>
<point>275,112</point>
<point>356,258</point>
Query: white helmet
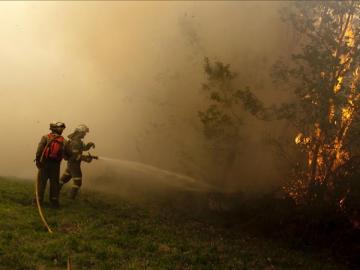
<point>82,128</point>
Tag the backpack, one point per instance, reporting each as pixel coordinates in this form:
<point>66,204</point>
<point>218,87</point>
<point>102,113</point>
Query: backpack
<point>54,147</point>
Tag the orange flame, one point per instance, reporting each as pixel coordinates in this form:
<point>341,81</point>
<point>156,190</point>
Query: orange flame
<point>329,153</point>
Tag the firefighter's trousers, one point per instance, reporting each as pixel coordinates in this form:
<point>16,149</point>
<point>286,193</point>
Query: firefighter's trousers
<point>49,171</point>
<point>72,172</point>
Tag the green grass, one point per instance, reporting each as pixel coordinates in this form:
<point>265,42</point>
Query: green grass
<point>99,232</point>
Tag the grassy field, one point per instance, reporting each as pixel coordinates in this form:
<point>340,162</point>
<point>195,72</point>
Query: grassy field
<point>100,232</point>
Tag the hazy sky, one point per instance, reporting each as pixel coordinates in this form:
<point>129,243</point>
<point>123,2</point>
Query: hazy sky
<point>131,71</point>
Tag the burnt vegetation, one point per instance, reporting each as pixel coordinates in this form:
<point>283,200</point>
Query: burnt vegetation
<point>319,202</point>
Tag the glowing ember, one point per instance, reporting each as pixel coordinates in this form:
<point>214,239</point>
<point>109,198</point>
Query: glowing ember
<point>337,86</point>
<point>298,138</point>
<point>346,113</point>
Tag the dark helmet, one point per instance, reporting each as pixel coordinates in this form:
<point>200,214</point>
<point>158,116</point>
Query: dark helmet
<point>57,125</point>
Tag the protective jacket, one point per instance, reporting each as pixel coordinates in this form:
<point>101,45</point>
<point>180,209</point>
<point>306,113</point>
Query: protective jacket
<point>48,157</point>
<point>74,149</point>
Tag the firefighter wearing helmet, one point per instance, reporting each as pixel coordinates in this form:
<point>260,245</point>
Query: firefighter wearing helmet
<point>74,149</point>
<point>48,158</point>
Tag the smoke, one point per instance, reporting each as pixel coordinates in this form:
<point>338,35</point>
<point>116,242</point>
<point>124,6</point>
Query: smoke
<point>132,71</point>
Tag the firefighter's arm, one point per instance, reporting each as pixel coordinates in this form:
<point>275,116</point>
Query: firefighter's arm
<point>41,147</point>
<point>88,146</point>
<point>66,150</point>
<point>86,158</point>
<point>40,150</point>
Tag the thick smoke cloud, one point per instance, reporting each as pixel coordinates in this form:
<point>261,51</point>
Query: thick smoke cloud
<point>132,71</point>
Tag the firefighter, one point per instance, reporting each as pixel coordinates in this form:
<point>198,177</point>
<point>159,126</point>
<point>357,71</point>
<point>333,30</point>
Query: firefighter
<point>74,149</point>
<point>48,158</point>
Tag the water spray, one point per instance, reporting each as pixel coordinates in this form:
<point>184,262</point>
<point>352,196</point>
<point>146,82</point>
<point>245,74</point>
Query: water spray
<point>164,177</point>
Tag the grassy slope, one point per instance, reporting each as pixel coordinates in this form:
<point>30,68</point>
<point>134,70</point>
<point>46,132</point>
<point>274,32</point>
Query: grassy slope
<point>101,233</point>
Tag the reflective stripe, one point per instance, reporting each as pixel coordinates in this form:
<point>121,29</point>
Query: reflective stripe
<point>76,182</point>
<point>66,173</point>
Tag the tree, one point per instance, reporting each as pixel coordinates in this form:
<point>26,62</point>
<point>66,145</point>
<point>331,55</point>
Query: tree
<point>221,123</point>
<point>323,76</point>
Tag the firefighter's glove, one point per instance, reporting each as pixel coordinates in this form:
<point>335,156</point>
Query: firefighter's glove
<point>90,145</point>
<point>87,159</point>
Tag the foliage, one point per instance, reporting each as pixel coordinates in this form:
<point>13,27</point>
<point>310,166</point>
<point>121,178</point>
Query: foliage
<point>220,121</point>
<point>223,118</point>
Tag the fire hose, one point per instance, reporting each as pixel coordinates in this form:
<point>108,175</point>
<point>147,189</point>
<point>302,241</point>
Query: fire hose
<point>39,205</point>
<point>41,214</point>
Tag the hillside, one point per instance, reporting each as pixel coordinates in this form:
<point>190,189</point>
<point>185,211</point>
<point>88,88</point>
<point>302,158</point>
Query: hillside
<point>101,232</point>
